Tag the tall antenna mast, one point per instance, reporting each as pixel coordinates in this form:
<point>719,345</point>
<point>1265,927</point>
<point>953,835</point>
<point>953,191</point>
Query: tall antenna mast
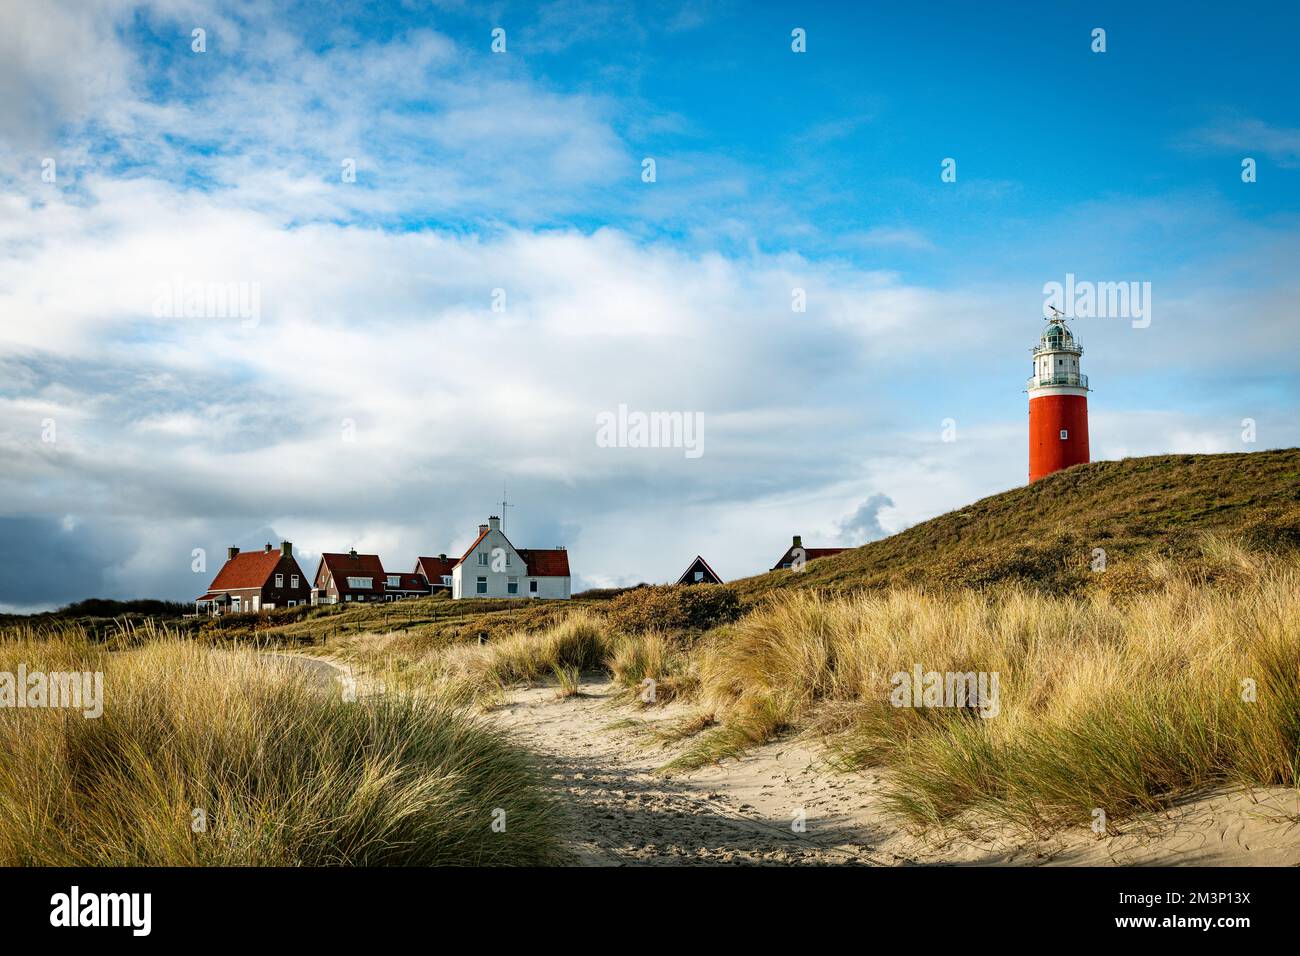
<point>504,505</point>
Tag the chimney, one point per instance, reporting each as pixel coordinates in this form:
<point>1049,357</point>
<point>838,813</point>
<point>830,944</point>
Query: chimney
<point>230,553</point>
<point>482,528</point>
<point>267,549</point>
<point>352,552</point>
<point>798,541</point>
<point>494,522</point>
<point>442,557</point>
<point>286,548</point>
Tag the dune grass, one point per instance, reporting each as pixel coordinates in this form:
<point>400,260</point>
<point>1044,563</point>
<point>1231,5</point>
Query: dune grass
<point>284,772</point>
<point>480,673</point>
<point>1123,706</point>
<point>654,667</point>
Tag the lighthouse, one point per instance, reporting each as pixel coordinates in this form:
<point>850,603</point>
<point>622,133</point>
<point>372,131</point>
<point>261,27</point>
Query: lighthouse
<point>1058,403</point>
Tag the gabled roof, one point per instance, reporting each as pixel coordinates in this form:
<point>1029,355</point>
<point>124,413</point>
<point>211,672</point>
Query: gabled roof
<point>704,565</point>
<point>541,562</point>
<point>434,568</point>
<point>808,555</point>
<point>342,565</point>
<point>545,562</point>
<point>470,550</point>
<point>251,569</point>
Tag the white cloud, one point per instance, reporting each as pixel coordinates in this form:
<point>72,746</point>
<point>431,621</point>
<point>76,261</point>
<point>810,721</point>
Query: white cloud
<point>1251,136</point>
<point>380,402</point>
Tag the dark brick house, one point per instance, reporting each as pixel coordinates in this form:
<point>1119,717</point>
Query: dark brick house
<point>256,581</point>
<point>437,571</point>
<point>347,578</point>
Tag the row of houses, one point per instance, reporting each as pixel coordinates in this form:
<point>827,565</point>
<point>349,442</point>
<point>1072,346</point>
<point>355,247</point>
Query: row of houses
<point>492,567</point>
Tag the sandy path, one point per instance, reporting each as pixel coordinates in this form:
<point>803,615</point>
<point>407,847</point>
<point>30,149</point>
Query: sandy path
<point>623,813</point>
<point>742,811</point>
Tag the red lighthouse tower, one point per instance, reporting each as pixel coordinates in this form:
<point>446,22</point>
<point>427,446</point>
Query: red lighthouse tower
<point>1058,403</point>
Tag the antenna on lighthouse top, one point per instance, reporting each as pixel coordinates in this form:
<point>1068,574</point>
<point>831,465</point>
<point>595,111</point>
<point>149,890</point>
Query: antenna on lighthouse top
<point>1056,313</point>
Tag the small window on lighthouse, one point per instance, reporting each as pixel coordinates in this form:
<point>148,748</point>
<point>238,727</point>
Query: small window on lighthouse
<point>1064,434</point>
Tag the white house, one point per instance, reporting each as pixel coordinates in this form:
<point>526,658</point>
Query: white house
<point>495,568</point>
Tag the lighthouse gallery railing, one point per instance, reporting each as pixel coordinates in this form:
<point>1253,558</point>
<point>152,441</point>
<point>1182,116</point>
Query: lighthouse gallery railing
<point>1058,378</point>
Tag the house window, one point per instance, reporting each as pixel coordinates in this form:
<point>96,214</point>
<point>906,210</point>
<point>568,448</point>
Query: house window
<point>279,580</point>
<point>446,580</point>
<point>394,581</point>
<point>699,575</point>
<point>293,581</point>
<point>292,603</point>
<point>481,585</point>
<point>1064,434</point>
<point>361,584</point>
<point>512,585</point>
<point>347,597</point>
<point>532,587</point>
<point>483,558</point>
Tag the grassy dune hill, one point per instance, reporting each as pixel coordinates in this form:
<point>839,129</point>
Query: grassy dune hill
<point>1044,534</point>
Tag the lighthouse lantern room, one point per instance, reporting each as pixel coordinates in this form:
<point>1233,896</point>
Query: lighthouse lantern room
<point>1058,403</point>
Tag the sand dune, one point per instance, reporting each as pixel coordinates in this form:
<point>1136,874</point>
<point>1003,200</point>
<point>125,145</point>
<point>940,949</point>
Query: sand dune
<point>743,811</point>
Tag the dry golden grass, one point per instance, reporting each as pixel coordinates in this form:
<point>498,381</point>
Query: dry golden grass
<point>1119,704</point>
<point>654,667</point>
<point>480,673</point>
<point>568,680</point>
<point>285,771</point>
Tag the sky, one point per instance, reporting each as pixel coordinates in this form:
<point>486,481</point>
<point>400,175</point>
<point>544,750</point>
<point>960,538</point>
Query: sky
<point>820,232</point>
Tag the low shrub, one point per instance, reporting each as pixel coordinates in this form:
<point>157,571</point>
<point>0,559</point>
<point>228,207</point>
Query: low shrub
<point>672,607</point>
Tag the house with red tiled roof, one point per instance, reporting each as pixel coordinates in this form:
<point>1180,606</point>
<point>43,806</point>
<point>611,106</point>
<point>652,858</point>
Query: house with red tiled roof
<point>492,567</point>
<point>437,571</point>
<point>348,578</point>
<point>399,586</point>
<point>796,556</point>
<point>699,572</point>
<point>256,581</point>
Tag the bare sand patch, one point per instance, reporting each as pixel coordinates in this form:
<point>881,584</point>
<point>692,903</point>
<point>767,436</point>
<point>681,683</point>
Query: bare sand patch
<point>602,760</point>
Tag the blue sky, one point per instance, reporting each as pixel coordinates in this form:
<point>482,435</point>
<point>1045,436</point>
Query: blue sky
<point>522,171</point>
